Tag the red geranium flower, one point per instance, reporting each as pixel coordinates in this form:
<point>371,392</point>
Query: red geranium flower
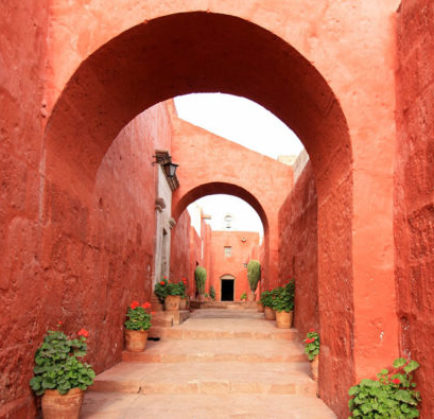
<point>311,330</point>
<point>83,332</point>
<point>60,323</point>
<point>396,381</point>
<point>184,280</point>
<point>162,283</point>
<point>134,304</point>
<point>146,305</point>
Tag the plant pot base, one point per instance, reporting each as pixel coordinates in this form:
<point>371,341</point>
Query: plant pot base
<point>269,313</point>
<point>284,320</point>
<point>171,303</point>
<point>314,368</point>
<point>135,340</point>
<point>62,406</point>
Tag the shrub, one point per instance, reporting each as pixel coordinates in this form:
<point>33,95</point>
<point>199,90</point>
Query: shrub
<point>212,293</point>
<point>200,278</point>
<point>138,317</point>
<point>243,296</point>
<point>267,299</point>
<point>57,366</point>
<point>284,297</point>
<point>311,344</point>
<point>253,274</point>
<point>391,396</point>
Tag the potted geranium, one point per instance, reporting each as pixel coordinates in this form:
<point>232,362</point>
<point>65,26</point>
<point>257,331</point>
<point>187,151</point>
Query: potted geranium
<point>173,298</point>
<point>137,326</point>
<point>391,396</point>
<point>311,348</point>
<point>59,377</point>
<point>283,305</point>
<point>183,304</point>
<point>267,302</point>
<point>160,290</point>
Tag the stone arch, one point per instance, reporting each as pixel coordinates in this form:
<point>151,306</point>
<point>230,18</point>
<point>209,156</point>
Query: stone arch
<point>210,52</point>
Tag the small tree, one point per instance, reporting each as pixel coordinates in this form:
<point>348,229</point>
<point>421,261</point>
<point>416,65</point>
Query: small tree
<point>253,274</point>
<point>212,293</point>
<point>200,278</point>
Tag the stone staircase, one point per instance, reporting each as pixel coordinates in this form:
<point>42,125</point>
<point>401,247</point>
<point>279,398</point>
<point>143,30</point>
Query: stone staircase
<point>217,364</point>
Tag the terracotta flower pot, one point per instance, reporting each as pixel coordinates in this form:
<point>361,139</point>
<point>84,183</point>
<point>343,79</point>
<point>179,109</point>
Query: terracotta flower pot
<point>251,296</point>
<point>171,303</point>
<point>314,367</point>
<point>135,340</point>
<point>260,307</point>
<point>62,406</point>
<point>269,313</point>
<point>284,319</point>
<point>183,304</point>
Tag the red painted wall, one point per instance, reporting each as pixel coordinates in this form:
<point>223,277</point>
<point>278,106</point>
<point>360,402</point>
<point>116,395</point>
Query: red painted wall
<point>298,249</point>
<point>414,190</point>
<point>242,252</point>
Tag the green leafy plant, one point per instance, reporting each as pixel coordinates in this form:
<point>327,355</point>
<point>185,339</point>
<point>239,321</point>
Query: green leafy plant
<point>243,296</point>
<point>283,297</point>
<point>206,295</point>
<point>200,279</point>
<point>391,396</point>
<point>267,299</point>
<point>138,317</point>
<point>160,289</point>
<point>212,293</point>
<point>311,344</point>
<point>57,366</point>
<point>253,274</point>
<point>175,288</point>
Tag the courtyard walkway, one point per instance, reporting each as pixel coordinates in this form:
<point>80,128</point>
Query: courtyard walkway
<point>218,364</point>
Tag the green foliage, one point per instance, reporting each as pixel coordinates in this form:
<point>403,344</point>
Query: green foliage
<point>175,289</point>
<point>311,344</point>
<point>160,289</point>
<point>243,296</point>
<point>283,297</point>
<point>200,278</point>
<point>253,274</point>
<point>138,319</point>
<point>57,366</point>
<point>266,299</point>
<point>212,293</point>
<point>391,396</point>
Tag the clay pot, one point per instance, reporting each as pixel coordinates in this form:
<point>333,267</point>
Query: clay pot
<point>314,367</point>
<point>62,406</point>
<point>269,313</point>
<point>251,296</point>
<point>171,303</point>
<point>183,304</point>
<point>260,307</point>
<point>135,340</point>
<point>284,319</point>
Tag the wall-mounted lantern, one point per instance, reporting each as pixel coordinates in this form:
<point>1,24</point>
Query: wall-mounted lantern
<point>170,169</point>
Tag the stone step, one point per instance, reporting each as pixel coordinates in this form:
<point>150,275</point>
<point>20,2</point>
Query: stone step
<point>223,350</point>
<point>202,406</point>
<point>169,318</point>
<point>186,333</point>
<point>207,378</point>
<point>225,305</point>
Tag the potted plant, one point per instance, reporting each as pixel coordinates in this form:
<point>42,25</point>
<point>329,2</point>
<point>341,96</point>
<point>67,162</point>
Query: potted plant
<point>393,395</point>
<point>173,298</point>
<point>243,297</point>
<point>267,302</point>
<point>311,348</point>
<point>137,326</point>
<point>160,290</point>
<point>183,304</point>
<point>253,276</point>
<point>200,279</point>
<point>283,305</point>
<point>59,377</point>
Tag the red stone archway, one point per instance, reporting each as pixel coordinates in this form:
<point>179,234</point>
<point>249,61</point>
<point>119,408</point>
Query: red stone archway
<point>206,52</point>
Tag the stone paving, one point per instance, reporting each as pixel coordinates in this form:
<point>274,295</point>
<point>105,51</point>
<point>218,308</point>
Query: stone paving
<point>218,364</point>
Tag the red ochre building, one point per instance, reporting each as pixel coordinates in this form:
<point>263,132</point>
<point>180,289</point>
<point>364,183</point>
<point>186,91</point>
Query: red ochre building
<point>87,218</point>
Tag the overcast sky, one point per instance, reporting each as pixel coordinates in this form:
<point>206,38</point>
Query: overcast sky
<point>244,122</point>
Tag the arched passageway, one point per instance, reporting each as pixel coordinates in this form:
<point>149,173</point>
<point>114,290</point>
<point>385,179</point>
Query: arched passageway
<point>207,52</point>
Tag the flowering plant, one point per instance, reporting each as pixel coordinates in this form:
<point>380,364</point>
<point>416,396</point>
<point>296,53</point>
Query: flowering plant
<point>176,288</point>
<point>311,344</point>
<point>138,317</point>
<point>57,366</point>
<point>391,396</point>
<point>160,289</point>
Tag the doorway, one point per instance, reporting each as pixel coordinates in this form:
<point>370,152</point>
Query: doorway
<point>227,288</point>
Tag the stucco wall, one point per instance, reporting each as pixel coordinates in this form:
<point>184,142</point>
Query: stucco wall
<point>298,249</point>
<point>414,190</point>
